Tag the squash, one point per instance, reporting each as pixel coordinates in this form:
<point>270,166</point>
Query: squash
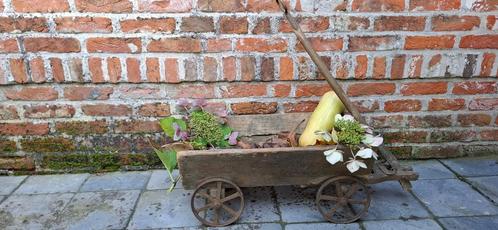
<point>322,119</point>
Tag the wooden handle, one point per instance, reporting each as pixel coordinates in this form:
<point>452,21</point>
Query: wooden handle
<point>320,64</point>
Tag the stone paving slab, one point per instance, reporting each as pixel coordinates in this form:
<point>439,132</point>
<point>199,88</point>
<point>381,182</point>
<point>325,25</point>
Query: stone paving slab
<point>159,179</point>
<point>52,184</point>
<point>390,201</point>
<point>487,166</point>
<point>160,209</point>
<point>487,185</point>
<point>98,210</point>
<point>322,226</point>
<point>259,206</point>
<point>425,224</point>
<point>116,181</point>
<point>32,211</point>
<point>9,183</point>
<point>431,169</point>
<point>268,226</point>
<point>452,197</point>
<point>297,204</point>
<point>466,223</point>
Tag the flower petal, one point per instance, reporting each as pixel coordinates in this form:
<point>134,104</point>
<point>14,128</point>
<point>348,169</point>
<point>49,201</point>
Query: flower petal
<point>232,139</point>
<point>377,141</point>
<point>337,117</point>
<point>335,157</point>
<point>365,153</point>
<point>324,135</point>
<point>348,117</point>
<point>353,166</point>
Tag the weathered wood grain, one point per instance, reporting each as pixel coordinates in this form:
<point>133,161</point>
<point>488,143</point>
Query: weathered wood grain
<point>262,167</point>
<point>268,124</point>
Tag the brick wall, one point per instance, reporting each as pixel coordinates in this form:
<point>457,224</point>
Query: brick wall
<point>87,76</point>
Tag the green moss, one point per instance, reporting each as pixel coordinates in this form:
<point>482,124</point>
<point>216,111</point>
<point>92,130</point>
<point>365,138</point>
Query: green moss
<point>82,162</point>
<point>47,145</point>
<point>205,128</point>
<point>349,132</point>
<point>7,146</point>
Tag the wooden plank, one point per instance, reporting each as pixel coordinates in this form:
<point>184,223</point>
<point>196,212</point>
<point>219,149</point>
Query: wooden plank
<point>262,167</point>
<point>267,124</point>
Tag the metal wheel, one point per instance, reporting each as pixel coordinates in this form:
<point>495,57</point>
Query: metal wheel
<point>343,199</point>
<point>217,202</point>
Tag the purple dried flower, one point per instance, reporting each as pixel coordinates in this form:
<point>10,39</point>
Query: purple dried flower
<point>232,139</point>
<point>179,134</point>
<point>199,103</point>
<point>183,102</point>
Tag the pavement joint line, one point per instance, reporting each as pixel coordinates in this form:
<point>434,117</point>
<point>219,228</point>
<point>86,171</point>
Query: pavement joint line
<point>17,187</point>
<point>465,180</point>
<point>144,188</point>
<point>274,197</point>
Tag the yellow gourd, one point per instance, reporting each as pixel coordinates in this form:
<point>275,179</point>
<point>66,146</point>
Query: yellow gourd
<point>322,119</point>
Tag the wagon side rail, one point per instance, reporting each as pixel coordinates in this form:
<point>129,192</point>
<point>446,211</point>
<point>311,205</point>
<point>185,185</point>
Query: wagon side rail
<point>392,162</point>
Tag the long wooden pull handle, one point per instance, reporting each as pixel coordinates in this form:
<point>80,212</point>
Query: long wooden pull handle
<point>320,64</point>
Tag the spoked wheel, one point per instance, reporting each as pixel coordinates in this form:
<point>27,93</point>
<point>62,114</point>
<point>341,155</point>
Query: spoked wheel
<point>217,202</point>
<point>343,199</point>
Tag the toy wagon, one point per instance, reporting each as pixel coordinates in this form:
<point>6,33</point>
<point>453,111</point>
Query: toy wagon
<point>218,175</point>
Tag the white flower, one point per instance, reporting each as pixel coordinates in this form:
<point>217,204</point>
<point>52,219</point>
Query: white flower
<point>354,165</point>
<point>372,140</point>
<point>346,117</point>
<point>366,153</point>
<point>367,129</point>
<point>334,155</point>
<point>324,135</point>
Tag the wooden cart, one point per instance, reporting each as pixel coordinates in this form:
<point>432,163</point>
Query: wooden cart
<point>217,175</point>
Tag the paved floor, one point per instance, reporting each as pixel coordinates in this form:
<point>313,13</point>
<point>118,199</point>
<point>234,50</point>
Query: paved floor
<point>451,194</point>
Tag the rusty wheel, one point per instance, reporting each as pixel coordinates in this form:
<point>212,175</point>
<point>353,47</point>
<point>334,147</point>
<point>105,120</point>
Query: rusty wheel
<point>343,199</point>
<point>217,202</point>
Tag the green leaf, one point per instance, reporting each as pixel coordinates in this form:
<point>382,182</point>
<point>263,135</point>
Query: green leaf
<point>168,158</point>
<point>226,130</point>
<point>167,125</point>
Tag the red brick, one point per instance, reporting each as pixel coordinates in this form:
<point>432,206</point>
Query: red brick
<point>171,69</point>
<point>175,45</point>
<point>148,25</point>
<point>23,129</point>
<point>395,23</point>
<point>191,66</point>
<point>342,68</point>
<point>136,126</point>
<point>76,69</point>
<point>17,163</point>
<point>31,94</point>
<point>479,42</point>
<point>429,42</point>
<point>389,121</point>
<point>83,25</point>
<point>366,106</point>
<point>41,6</point>
<point>398,66</point>
<point>57,69</point>
<point>154,110</point>
<point>424,88</point>
<point>261,45</point>
<point>195,91</point>
<point>309,90</point>
<point>165,6</point>
<point>429,121</point>
<point>358,23</point>
<point>484,5</point>
<point>95,67</point>
<point>247,68</point>
<point>262,6</point>
<point>438,136</point>
<point>487,64</point>
<point>491,22</point>
<point>405,105</point>
<point>9,45</point>
<point>483,104</point>
<point>233,25</point>
<point>229,68</point>
<point>322,44</point>
<point>244,108</point>
<point>37,67</point>
<point>221,5</point>
<point>114,69</point>
<point>197,24</point>
<point>244,90</point>
<point>267,69</point>
<point>370,43</point>
<point>21,24</point>
<point>286,69</point>
<point>434,5</point>
<point>405,137</point>
<point>49,111</point>
<point>153,71</point>
<point>133,70</point>
<point>219,45</point>
<point>106,110</point>
<point>378,5</point>
<point>436,104</point>
<point>474,87</point>
<point>474,119</point>
<point>8,112</point>
<point>455,23</point>
<point>361,67</point>
<point>489,135</point>
<point>300,107</point>
<point>104,6</point>
<point>363,89</point>
<point>379,68</point>
<point>114,45</point>
<point>83,93</point>
<point>307,24</point>
<point>53,45</point>
<point>210,71</point>
<point>263,26</point>
<point>140,92</point>
<point>82,127</point>
<point>281,90</point>
<point>18,70</point>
